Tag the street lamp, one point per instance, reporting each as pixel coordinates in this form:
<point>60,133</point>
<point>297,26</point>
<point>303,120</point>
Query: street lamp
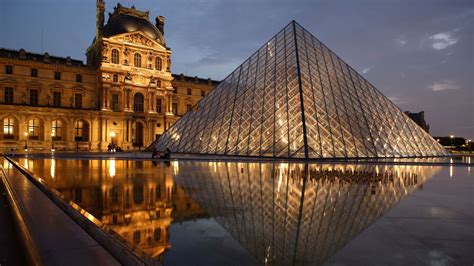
<point>26,141</point>
<point>112,135</point>
<point>452,137</point>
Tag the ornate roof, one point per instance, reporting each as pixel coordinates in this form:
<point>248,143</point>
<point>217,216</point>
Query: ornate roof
<point>124,20</point>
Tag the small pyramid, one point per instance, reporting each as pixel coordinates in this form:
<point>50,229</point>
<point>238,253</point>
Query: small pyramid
<point>295,98</point>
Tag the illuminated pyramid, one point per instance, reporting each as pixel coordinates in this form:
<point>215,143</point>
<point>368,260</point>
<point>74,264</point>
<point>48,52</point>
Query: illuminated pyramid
<point>295,98</point>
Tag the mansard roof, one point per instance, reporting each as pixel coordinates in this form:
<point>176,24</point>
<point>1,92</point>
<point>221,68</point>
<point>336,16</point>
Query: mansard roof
<point>45,58</point>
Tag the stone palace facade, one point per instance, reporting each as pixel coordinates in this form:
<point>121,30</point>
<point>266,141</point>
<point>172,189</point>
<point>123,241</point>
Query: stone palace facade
<point>125,94</point>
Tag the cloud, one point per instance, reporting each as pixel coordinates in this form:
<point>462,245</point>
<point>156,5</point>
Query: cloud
<point>401,41</point>
<point>396,100</point>
<point>366,70</point>
<point>442,40</point>
<point>443,85</point>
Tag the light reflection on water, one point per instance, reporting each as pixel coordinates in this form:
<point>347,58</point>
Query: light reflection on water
<point>282,213</point>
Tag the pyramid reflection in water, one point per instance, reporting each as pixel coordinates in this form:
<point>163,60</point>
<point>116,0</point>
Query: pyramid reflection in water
<point>295,98</point>
<point>288,214</point>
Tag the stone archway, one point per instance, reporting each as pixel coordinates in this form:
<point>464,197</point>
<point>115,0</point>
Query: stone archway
<point>137,134</point>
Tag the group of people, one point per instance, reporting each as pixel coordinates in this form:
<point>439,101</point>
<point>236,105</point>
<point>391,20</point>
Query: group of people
<point>157,155</point>
<point>113,148</point>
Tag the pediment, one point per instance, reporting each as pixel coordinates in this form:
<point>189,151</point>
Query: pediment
<point>139,38</point>
<point>34,84</point>
<point>57,85</point>
<point>8,81</point>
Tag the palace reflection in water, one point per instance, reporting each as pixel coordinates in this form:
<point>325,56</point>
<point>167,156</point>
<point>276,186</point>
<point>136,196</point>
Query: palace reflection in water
<point>283,213</point>
<point>128,196</point>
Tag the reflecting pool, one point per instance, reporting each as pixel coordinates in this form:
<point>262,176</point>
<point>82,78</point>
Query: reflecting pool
<point>227,213</point>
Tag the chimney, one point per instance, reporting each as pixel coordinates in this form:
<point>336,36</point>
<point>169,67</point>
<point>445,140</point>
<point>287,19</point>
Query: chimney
<point>100,6</point>
<point>160,24</point>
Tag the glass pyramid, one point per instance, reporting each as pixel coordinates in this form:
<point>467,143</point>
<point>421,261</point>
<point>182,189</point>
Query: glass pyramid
<point>295,98</point>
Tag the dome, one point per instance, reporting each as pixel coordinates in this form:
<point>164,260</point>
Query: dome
<point>123,23</point>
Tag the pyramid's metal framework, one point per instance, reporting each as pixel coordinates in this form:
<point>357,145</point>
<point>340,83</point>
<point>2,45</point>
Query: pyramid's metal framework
<point>297,214</point>
<point>295,98</point>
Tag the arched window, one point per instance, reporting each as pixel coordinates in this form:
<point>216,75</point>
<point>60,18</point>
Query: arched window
<point>137,60</point>
<point>115,56</point>
<point>81,130</point>
<point>158,63</point>
<point>33,129</point>
<point>56,130</point>
<point>9,128</point>
<point>138,102</point>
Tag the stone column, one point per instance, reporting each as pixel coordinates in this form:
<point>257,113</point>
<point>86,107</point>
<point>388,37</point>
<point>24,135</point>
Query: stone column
<point>164,103</point>
<point>170,105</point>
<point>127,100</point>
<point>103,102</point>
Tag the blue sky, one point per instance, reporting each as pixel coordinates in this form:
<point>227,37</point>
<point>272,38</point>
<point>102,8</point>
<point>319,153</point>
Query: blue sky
<point>418,53</point>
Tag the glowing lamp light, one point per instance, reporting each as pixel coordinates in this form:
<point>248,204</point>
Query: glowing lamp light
<point>451,136</point>
<point>112,134</point>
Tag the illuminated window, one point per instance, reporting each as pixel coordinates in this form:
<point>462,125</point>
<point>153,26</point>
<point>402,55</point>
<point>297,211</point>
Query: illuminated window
<point>33,97</point>
<point>138,100</point>
<point>34,72</point>
<point>56,130</point>
<point>115,56</point>
<point>8,128</point>
<point>158,105</point>
<point>158,64</point>
<point>174,108</point>
<point>33,128</point>
<point>137,60</point>
<point>81,131</point>
<point>8,95</point>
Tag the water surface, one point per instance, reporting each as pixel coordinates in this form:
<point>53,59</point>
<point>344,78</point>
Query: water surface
<point>231,213</point>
